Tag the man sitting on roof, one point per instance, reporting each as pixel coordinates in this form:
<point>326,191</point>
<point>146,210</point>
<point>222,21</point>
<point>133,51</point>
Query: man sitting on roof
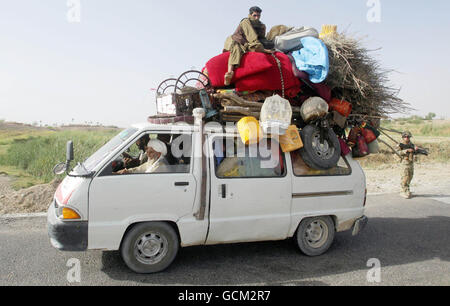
<point>249,36</point>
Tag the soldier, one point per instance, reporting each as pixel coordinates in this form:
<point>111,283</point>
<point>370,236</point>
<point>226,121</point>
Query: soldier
<point>407,162</point>
<point>247,37</point>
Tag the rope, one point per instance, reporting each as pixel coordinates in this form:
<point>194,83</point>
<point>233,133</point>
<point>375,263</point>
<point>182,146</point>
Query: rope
<point>367,116</point>
<point>281,73</point>
<point>385,143</point>
<point>393,131</point>
<point>385,134</point>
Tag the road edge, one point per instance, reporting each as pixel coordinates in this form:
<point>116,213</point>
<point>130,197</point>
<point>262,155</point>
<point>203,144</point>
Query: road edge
<point>23,216</point>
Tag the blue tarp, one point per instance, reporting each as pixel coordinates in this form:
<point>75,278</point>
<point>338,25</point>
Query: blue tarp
<point>313,59</point>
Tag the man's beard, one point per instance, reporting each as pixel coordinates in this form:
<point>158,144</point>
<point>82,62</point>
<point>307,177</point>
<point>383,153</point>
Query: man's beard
<point>256,23</point>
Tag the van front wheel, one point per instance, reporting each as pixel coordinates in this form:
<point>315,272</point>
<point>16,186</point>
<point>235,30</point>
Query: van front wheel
<point>315,235</point>
<point>150,247</point>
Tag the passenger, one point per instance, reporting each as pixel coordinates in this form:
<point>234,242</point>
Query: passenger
<point>167,139</point>
<point>156,152</point>
<point>247,37</point>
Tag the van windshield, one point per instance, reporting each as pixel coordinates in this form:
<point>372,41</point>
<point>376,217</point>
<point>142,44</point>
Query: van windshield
<point>90,163</point>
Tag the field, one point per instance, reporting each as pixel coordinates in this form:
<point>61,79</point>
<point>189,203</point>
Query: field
<point>28,153</point>
<point>431,134</point>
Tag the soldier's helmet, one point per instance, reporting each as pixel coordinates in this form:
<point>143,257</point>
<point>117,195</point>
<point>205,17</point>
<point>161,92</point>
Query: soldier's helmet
<point>406,134</point>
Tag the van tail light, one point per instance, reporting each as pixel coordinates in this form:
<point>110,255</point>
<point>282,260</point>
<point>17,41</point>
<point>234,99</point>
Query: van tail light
<point>365,198</point>
<point>69,214</point>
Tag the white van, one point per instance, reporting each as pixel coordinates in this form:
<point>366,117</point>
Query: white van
<point>216,191</point>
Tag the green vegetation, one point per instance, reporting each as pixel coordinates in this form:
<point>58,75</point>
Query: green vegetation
<point>420,126</point>
<point>29,155</point>
<point>431,134</point>
<point>439,153</point>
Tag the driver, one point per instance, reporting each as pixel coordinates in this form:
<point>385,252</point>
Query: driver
<point>131,162</point>
<point>156,161</point>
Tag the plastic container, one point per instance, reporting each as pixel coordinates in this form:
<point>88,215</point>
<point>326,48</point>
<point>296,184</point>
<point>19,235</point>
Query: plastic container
<point>368,135</point>
<point>374,147</point>
<point>339,120</point>
<point>291,141</point>
<point>249,130</point>
<point>291,40</point>
<point>276,115</point>
<point>374,130</point>
<point>341,106</point>
<point>328,30</point>
<point>314,108</point>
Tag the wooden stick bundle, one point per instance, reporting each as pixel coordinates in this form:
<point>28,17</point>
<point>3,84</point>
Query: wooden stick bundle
<point>233,104</point>
<point>237,100</point>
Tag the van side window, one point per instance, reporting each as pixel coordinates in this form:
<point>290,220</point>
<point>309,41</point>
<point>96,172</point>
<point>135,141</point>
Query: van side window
<point>155,153</point>
<point>233,159</point>
<point>301,169</point>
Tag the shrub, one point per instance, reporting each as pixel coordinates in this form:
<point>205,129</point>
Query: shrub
<point>38,155</point>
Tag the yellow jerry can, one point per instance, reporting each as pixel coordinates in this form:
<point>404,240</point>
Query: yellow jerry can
<point>328,30</point>
<point>249,130</point>
<point>291,141</point>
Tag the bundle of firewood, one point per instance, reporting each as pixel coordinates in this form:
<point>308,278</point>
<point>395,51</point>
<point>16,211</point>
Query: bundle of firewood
<point>357,77</point>
<point>235,107</point>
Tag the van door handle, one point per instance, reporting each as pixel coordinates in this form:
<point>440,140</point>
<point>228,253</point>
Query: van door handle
<point>181,183</point>
<point>224,191</point>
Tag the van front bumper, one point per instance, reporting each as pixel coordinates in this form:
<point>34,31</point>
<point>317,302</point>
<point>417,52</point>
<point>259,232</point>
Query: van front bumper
<point>359,225</point>
<point>66,235</point>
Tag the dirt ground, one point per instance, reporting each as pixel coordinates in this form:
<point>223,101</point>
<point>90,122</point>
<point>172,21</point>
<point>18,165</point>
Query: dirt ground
<point>35,199</point>
<point>429,179</point>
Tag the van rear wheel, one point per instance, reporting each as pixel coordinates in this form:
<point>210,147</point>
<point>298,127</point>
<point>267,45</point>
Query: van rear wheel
<point>315,235</point>
<point>150,247</point>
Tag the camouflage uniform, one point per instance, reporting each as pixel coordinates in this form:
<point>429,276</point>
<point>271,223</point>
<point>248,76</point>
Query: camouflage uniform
<point>407,163</point>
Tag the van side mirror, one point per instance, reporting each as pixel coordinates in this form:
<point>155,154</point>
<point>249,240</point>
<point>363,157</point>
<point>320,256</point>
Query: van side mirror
<point>63,167</point>
<point>60,168</point>
<point>69,151</point>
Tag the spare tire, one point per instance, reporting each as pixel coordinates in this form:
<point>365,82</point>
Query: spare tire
<point>317,155</point>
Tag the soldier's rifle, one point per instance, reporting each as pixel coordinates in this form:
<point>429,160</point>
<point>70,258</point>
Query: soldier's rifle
<point>419,151</point>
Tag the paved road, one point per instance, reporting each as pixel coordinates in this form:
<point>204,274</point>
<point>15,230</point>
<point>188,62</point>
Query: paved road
<point>410,239</point>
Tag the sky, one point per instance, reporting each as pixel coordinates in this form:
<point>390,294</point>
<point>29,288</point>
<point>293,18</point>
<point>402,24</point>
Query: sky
<point>78,61</point>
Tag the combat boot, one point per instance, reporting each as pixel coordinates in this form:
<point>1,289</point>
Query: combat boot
<point>406,195</point>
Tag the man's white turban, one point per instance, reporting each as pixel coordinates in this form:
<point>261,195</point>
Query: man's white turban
<point>158,146</point>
